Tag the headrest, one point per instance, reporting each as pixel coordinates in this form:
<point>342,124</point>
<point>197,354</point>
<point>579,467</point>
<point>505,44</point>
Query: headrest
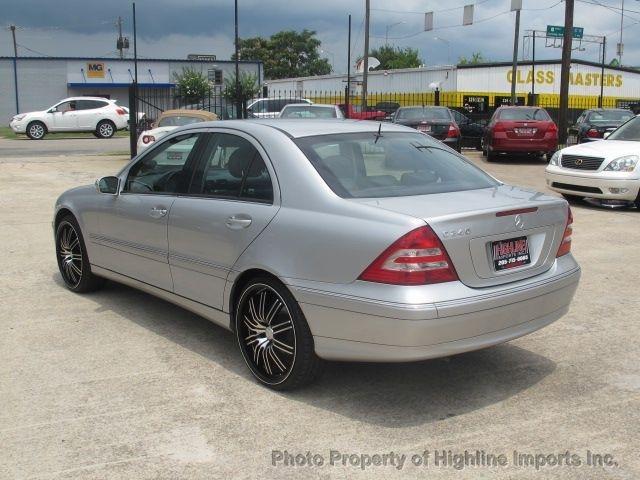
<point>240,160</point>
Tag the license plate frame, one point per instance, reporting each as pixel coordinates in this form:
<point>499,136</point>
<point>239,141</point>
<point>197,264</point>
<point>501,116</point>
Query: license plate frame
<point>510,253</point>
<point>525,131</point>
<point>424,128</point>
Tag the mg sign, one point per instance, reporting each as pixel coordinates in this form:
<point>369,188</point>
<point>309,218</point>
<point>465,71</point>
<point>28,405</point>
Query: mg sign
<point>95,69</point>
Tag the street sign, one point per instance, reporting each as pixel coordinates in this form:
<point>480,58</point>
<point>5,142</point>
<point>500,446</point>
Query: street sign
<point>557,31</point>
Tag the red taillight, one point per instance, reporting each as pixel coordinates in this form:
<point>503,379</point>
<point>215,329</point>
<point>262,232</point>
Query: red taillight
<point>499,127</point>
<point>565,245</point>
<point>593,133</point>
<point>417,258</point>
<point>453,131</point>
<point>148,139</point>
<point>553,128</point>
<point>121,111</point>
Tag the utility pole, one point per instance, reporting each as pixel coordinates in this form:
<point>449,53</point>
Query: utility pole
<point>604,51</point>
<point>621,45</point>
<point>239,114</point>
<point>514,67</point>
<point>564,73</point>
<point>120,42</point>
<point>133,94</point>
<point>15,66</point>
<point>367,15</point>
<point>347,96</point>
<point>533,68</point>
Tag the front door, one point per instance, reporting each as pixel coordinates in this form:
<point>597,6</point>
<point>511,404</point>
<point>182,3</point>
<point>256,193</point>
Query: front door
<point>133,227</point>
<point>232,199</point>
<point>65,116</point>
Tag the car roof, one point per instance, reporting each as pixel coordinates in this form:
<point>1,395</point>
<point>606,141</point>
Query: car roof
<point>322,105</point>
<point>294,128</point>
<point>103,99</point>
<point>184,112</point>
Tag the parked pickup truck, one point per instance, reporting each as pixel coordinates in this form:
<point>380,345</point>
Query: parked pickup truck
<point>355,112</point>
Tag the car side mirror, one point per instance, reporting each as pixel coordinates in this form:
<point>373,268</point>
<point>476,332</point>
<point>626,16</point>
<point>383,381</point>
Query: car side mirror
<point>108,185</point>
<point>53,110</point>
<point>606,135</point>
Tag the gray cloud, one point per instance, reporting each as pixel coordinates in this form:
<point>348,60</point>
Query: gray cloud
<point>167,28</point>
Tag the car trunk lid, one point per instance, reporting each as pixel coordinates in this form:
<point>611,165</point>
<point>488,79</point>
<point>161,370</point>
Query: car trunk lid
<point>477,225</point>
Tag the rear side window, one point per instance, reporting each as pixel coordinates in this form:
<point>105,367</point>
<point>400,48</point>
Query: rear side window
<point>365,165</point>
<point>234,168</point>
<point>523,114</point>
<point>90,104</point>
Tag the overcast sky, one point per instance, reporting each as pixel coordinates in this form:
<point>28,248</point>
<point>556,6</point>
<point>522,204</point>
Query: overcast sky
<point>174,28</point>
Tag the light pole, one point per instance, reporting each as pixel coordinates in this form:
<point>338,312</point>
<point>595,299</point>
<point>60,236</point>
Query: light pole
<point>448,47</point>
<point>333,57</point>
<point>386,32</point>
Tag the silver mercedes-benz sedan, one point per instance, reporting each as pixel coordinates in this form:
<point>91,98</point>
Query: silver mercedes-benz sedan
<point>336,240</point>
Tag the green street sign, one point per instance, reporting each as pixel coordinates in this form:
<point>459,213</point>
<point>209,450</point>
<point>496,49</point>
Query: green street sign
<point>557,31</point>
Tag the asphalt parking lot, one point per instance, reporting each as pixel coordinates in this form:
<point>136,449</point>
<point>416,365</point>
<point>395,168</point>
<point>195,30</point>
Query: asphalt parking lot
<point>119,384</point>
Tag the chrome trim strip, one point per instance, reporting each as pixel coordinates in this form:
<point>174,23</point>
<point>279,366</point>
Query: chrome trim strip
<point>109,241</point>
<point>198,261</point>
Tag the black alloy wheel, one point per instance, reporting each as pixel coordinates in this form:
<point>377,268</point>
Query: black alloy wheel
<point>273,336</point>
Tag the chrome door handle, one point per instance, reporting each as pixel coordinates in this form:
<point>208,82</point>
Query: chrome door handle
<point>157,212</point>
<point>237,222</point>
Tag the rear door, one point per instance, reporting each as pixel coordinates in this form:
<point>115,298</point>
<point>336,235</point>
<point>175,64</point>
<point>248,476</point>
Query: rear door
<point>232,199</point>
<point>88,113</point>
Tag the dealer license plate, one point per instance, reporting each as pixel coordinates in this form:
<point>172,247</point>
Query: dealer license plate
<point>174,155</point>
<point>424,128</point>
<point>525,131</point>
<point>510,253</point>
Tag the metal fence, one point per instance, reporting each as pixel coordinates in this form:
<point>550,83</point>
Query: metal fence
<point>479,107</point>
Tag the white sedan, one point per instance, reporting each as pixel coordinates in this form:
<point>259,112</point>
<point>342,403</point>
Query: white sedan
<point>98,115</point>
<point>607,169</point>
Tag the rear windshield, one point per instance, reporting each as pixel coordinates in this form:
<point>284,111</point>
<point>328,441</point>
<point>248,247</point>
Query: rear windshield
<point>419,113</point>
<point>308,112</point>
<point>523,114</point>
<point>603,116</point>
<point>178,121</point>
<point>629,131</point>
<point>365,165</point>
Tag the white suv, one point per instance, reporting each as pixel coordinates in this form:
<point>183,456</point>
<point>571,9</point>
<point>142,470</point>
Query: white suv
<point>76,114</point>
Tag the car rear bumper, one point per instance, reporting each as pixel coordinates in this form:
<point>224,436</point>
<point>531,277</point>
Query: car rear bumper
<point>524,145</point>
<point>435,323</point>
<point>592,185</point>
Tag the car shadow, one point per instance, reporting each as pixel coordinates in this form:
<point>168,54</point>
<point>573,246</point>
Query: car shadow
<point>389,395</point>
<point>512,159</point>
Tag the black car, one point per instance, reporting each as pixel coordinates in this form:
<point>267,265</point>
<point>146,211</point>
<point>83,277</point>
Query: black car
<point>592,124</point>
<point>388,107</point>
<point>471,131</point>
<point>437,122</point>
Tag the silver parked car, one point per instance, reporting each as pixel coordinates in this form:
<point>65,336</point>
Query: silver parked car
<point>320,239</point>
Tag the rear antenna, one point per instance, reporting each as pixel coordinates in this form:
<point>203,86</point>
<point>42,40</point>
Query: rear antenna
<point>379,134</point>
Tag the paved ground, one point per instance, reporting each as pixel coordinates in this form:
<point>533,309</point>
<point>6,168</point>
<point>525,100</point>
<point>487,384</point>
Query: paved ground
<point>118,384</point>
<point>53,145</point>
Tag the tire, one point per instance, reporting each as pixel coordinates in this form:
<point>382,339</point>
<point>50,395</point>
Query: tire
<point>72,258</point>
<point>548,156</point>
<point>36,130</point>
<point>105,129</point>
<point>482,147</point>
<point>273,336</point>
<point>491,156</point>
<point>572,198</point>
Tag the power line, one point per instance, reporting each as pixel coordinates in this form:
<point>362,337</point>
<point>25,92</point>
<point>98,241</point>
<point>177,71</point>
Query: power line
<point>422,13</point>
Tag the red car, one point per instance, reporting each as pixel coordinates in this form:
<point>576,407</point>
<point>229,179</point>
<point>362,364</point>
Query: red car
<point>520,130</point>
<point>355,112</point>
